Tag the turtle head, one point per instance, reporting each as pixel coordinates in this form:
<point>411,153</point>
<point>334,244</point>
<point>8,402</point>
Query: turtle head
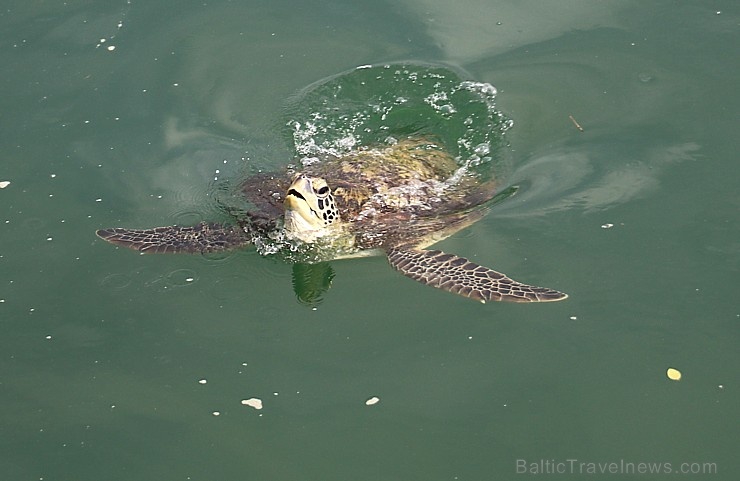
<point>309,208</point>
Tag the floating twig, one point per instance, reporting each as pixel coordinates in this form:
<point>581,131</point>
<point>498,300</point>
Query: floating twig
<point>575,122</point>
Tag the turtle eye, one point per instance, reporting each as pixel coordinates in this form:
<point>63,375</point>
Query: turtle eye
<point>323,191</point>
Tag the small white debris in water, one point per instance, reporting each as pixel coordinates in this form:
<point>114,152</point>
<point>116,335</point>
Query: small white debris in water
<point>216,413</point>
<point>189,279</point>
<point>470,337</point>
<point>372,401</point>
<point>202,381</point>
<point>607,226</point>
<point>244,364</point>
<point>175,84</point>
<point>102,40</point>
<point>673,374</point>
<point>49,238</point>
<point>98,200</point>
<point>360,67</point>
<point>48,337</point>
<point>53,175</point>
<point>721,386</point>
<point>573,318</point>
<point>4,184</point>
<point>253,402</point>
<point>111,48</point>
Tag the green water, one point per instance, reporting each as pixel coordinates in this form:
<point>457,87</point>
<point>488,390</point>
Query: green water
<point>104,351</point>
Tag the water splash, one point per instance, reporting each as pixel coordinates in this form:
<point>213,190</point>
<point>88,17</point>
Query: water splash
<point>376,105</point>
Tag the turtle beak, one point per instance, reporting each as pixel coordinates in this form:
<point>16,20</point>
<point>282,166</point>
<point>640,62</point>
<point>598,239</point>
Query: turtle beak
<point>299,201</point>
<point>296,196</point>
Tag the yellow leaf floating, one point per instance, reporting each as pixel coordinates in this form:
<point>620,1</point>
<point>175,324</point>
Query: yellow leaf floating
<point>673,374</point>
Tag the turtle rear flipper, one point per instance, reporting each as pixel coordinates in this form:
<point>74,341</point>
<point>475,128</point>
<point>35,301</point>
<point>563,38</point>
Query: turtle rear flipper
<point>201,238</point>
<point>461,276</point>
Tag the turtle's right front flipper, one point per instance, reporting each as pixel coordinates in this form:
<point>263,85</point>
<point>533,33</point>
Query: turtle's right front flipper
<point>201,238</point>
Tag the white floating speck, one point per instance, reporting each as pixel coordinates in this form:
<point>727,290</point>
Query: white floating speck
<point>4,184</point>
<point>216,413</point>
<point>189,279</point>
<point>573,318</point>
<point>102,40</point>
<point>253,402</point>
<point>202,381</point>
<point>111,48</point>
<point>607,226</point>
<point>98,200</point>
<point>360,67</point>
<point>721,386</point>
<point>48,337</point>
<point>673,374</point>
<point>175,84</point>
<point>372,401</point>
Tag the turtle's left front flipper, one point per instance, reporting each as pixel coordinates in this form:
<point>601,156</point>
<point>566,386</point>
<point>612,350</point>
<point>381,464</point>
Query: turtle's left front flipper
<point>461,276</point>
<point>202,238</point>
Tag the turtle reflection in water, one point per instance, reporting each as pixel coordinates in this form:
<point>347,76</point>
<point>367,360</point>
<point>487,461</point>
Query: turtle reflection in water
<point>394,200</point>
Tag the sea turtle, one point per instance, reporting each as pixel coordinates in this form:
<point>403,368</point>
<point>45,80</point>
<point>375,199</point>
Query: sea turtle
<point>395,199</point>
